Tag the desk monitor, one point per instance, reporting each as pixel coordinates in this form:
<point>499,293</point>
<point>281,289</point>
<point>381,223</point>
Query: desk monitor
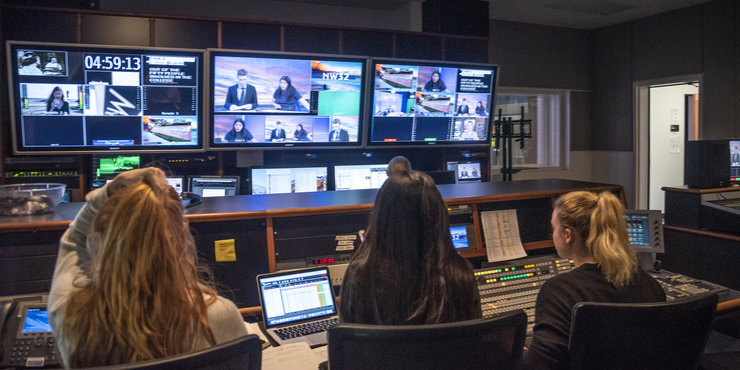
<point>71,98</point>
<point>465,171</point>
<point>288,180</point>
<point>272,100</point>
<point>176,183</point>
<point>361,176</point>
<point>459,235</point>
<point>645,230</point>
<point>106,167</point>
<point>214,186</point>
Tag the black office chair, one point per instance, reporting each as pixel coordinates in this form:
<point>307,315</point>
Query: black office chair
<point>241,353</point>
<point>665,335</point>
<point>474,344</point>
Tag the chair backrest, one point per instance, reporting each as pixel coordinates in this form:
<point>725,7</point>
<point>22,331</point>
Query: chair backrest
<point>665,335</point>
<point>495,342</point>
<point>241,353</point>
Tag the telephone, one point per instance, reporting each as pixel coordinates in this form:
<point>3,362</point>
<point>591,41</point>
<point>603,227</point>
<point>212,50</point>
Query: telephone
<point>27,339</point>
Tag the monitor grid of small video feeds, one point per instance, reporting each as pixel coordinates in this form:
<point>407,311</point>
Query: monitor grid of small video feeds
<point>87,98</point>
<point>288,180</point>
<point>267,100</point>
<point>431,104</point>
<point>735,161</point>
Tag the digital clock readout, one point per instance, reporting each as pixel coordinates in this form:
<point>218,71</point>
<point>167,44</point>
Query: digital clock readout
<point>323,261</point>
<point>111,62</point>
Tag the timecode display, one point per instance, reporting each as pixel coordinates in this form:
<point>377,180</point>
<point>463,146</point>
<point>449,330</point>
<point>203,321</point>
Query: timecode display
<point>109,62</point>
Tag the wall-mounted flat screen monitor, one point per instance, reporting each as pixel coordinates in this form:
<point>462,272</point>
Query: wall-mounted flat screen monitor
<point>85,98</point>
<point>214,186</point>
<point>431,103</point>
<point>288,180</point>
<point>465,171</point>
<point>361,176</point>
<point>285,100</point>
<point>735,161</point>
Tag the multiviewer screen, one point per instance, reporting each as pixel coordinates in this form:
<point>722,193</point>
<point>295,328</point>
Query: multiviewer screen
<point>431,103</point>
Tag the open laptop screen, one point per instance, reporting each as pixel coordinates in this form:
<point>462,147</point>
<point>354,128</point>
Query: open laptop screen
<point>295,296</point>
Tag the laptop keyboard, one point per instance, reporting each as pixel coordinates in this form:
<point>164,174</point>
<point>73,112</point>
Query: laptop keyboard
<point>308,328</point>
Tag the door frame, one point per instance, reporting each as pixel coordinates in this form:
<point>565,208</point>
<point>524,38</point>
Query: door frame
<point>641,130</point>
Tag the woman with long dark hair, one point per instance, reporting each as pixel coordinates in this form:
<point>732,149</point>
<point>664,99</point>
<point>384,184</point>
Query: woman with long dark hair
<point>406,271</point>
<point>238,133</point>
<point>56,102</point>
<point>287,97</point>
<point>126,285</point>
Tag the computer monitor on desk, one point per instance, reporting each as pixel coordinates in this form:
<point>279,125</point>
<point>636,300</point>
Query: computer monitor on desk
<point>214,186</point>
<point>645,230</point>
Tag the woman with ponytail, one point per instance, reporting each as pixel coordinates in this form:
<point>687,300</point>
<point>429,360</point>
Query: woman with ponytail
<point>590,229</point>
<point>126,285</point>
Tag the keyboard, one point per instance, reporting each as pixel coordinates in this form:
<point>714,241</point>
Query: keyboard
<point>304,329</point>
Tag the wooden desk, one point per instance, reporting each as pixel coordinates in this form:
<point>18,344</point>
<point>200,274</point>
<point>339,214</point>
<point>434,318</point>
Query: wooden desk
<point>268,229</point>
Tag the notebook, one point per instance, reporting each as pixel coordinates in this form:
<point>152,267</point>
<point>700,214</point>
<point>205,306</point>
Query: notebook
<point>297,305</point>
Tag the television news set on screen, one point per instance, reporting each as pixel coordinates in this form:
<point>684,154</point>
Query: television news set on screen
<point>87,98</point>
<point>285,100</point>
<point>431,103</point>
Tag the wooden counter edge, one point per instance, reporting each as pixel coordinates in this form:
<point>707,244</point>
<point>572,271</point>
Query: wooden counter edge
<point>712,234</point>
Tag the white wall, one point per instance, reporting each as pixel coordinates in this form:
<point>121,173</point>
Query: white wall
<point>667,107</point>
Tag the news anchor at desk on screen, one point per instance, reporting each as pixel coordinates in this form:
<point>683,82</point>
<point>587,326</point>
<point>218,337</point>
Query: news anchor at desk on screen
<point>338,133</point>
<point>241,96</point>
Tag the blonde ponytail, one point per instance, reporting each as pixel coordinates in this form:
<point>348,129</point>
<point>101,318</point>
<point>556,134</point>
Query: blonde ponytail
<point>599,220</point>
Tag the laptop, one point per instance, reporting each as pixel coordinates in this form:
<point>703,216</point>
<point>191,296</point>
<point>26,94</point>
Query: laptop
<point>297,305</point>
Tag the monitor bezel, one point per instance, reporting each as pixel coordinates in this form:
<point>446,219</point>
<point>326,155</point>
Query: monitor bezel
<point>425,63</point>
<point>14,98</point>
<point>212,53</point>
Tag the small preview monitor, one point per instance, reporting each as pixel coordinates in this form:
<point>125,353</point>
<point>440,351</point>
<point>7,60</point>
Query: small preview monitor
<point>106,167</point>
<point>465,171</point>
<point>82,98</point>
<point>215,186</point>
<point>734,161</point>
<point>431,103</point>
<point>35,320</point>
<point>645,230</point>
<point>459,236</point>
<point>285,100</point>
<point>361,176</point>
<point>288,180</point>
<point>176,183</point>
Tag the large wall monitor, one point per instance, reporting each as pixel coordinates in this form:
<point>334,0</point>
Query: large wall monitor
<point>361,176</point>
<point>288,180</point>
<point>431,103</point>
<point>285,100</point>
<point>85,98</point>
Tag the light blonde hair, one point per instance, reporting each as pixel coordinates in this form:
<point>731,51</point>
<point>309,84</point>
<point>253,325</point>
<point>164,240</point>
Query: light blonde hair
<point>599,220</point>
<point>144,300</point>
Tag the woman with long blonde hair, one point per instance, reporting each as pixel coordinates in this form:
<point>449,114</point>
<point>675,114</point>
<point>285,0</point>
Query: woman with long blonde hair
<point>590,229</point>
<point>126,285</point>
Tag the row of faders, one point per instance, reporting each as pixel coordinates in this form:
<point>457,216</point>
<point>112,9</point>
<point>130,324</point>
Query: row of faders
<point>515,284</point>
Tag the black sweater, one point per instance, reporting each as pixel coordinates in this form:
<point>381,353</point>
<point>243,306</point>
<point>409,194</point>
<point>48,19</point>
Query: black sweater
<point>549,349</point>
